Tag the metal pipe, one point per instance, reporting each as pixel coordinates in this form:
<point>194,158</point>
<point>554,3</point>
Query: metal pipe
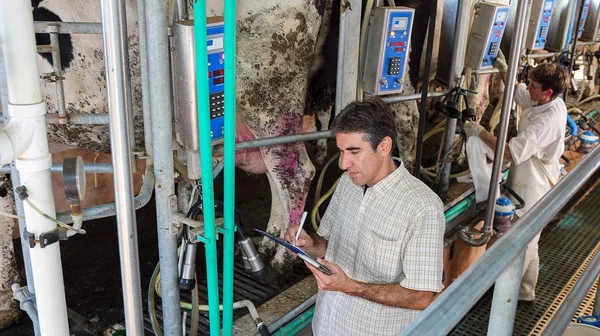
<point>80,118</point>
<point>486,71</point>
<point>574,44</point>
<point>229,165</point>
<point>181,10</point>
<point>144,79</point>
<point>310,136</point>
<point>162,112</point>
<point>57,168</point>
<point>340,61</point>
<point>284,139</point>
<point>68,27</point>
<point>347,57</point>
<point>292,314</point>
<point>550,54</point>
<point>505,299</point>
<point>206,159</point>
<point>401,98</point>
<point>116,63</point>
<point>425,88</point>
<point>459,46</point>
<point>568,308</point>
<point>58,73</point>
<point>507,99</point>
<point>450,306</point>
<point>107,210</point>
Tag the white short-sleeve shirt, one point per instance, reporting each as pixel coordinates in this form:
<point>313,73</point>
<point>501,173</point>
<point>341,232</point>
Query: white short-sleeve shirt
<point>392,233</point>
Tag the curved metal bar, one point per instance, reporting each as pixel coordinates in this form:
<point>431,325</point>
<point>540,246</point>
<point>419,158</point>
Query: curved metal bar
<point>107,210</point>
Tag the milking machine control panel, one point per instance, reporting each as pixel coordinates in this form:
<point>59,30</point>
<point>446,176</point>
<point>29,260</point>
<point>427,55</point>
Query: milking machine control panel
<point>216,79</point>
<point>486,34</point>
<point>387,50</point>
<point>537,33</point>
<point>183,55</point>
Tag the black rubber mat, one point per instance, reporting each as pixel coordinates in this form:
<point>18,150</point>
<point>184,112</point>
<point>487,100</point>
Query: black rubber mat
<point>562,252</point>
<point>244,288</point>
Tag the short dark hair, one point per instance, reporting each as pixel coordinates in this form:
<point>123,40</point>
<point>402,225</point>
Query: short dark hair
<point>551,76</point>
<point>372,117</point>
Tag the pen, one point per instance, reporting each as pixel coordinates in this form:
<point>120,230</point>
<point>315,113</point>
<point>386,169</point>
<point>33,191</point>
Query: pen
<point>301,224</point>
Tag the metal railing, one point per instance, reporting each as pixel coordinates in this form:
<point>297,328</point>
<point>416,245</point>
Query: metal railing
<point>456,301</point>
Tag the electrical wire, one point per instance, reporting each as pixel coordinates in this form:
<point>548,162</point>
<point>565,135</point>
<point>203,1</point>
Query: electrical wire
<point>58,222</point>
<point>6,214</point>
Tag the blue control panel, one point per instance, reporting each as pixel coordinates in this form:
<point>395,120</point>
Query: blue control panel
<point>584,15</point>
<point>495,36</point>
<point>395,56</point>
<point>542,33</point>
<point>216,79</point>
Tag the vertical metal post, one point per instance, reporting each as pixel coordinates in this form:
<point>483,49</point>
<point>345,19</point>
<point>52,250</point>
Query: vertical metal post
<point>162,113</point>
<point>425,89</point>
<point>115,31</point>
<point>514,61</point>
<point>574,39</point>
<point>181,10</point>
<point>459,46</point>
<point>58,72</point>
<point>347,58</point>
<point>506,297</point>
<point>145,79</point>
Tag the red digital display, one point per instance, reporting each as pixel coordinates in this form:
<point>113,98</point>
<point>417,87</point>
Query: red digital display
<point>219,72</point>
<point>218,80</point>
<point>209,74</point>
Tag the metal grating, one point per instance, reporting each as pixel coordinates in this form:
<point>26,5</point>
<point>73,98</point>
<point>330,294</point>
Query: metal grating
<point>543,322</point>
<point>244,288</point>
<point>562,252</point>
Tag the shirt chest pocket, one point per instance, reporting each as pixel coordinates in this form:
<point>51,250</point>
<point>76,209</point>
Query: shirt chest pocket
<point>381,258</point>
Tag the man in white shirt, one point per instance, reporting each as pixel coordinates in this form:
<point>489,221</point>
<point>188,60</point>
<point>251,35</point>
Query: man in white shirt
<point>381,236</point>
<point>535,151</point>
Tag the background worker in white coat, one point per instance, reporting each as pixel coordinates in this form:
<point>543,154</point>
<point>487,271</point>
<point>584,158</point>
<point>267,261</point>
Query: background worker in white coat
<point>535,151</point>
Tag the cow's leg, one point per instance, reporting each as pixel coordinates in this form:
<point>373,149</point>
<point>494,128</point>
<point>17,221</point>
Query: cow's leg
<point>290,172</point>
<point>481,100</point>
<point>9,310</point>
<point>321,153</point>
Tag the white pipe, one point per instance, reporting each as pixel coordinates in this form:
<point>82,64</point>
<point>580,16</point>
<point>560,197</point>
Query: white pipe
<point>26,106</point>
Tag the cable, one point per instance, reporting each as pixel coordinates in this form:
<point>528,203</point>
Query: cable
<point>6,214</point>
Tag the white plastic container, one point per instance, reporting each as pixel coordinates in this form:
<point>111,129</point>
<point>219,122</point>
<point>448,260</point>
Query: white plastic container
<point>579,329</point>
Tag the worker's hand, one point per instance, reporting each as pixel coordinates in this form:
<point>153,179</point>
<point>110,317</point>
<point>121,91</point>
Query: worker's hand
<point>337,281</point>
<point>304,240</point>
<point>472,129</point>
<point>500,63</point>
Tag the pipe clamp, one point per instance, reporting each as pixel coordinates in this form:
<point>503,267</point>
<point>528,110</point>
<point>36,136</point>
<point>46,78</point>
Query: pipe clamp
<point>46,238</point>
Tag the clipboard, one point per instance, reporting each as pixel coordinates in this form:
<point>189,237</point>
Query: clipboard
<point>303,255</point>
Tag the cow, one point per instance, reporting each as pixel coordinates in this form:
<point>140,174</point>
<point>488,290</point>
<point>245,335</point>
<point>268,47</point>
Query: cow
<point>276,44</point>
<point>275,47</point>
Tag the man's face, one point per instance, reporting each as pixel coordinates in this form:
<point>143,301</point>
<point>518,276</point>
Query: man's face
<point>364,165</point>
<point>537,93</point>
